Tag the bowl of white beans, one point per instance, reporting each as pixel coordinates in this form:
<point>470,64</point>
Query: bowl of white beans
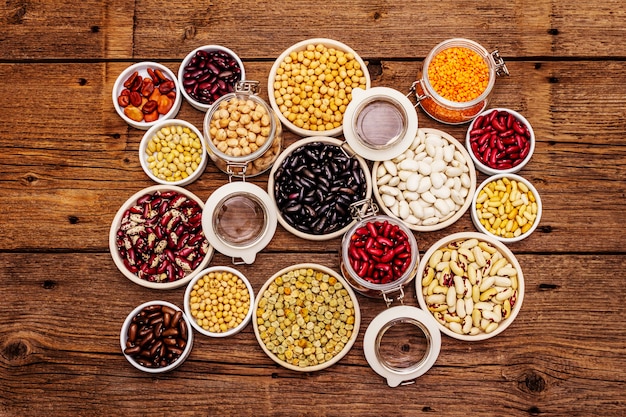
<point>218,301</point>
<point>306,317</point>
<point>310,85</point>
<point>472,284</point>
<point>172,152</point>
<point>506,207</point>
<point>430,185</point>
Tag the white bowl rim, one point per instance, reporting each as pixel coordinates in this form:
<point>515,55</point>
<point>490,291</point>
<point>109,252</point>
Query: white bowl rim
<point>466,204</point>
<point>113,235</point>
<point>148,136</point>
<point>187,303</point>
<point>518,178</point>
<point>271,182</point>
<point>118,86</point>
<point>297,46</point>
<point>504,250</point>
<point>355,330</point>
<point>493,171</point>
<point>124,336</point>
<point>181,72</point>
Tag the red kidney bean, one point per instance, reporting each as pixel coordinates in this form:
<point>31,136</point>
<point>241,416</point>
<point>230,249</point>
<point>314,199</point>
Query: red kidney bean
<point>499,140</point>
<point>150,240</point>
<point>137,89</point>
<point>154,339</point>
<point>386,254</point>
<point>315,186</point>
<point>210,74</point>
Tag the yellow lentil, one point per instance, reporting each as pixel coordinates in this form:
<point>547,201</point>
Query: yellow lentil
<point>506,208</point>
<point>174,153</point>
<point>458,74</point>
<point>302,323</point>
<point>219,301</point>
<point>313,87</point>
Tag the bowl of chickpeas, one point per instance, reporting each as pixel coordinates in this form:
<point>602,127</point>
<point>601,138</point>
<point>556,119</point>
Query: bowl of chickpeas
<point>218,301</point>
<point>310,85</point>
<point>172,152</point>
<point>306,317</point>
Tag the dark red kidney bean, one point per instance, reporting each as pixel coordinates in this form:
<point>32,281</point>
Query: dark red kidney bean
<point>148,246</point>
<point>497,136</point>
<point>314,187</point>
<point>210,74</point>
<point>387,252</point>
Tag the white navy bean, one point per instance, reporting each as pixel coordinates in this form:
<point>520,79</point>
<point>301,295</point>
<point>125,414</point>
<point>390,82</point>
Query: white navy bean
<point>391,168</point>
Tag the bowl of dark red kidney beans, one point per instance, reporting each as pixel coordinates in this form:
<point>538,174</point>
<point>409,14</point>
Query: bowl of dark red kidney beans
<point>313,183</point>
<point>207,73</point>
<point>156,238</point>
<point>156,337</point>
<point>500,141</point>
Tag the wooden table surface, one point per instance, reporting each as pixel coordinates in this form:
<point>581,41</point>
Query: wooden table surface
<point>69,162</point>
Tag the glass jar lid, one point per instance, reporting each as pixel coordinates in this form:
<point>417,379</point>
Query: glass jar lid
<point>379,123</point>
<point>239,221</point>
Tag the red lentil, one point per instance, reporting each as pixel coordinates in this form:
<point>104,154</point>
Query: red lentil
<point>458,74</point>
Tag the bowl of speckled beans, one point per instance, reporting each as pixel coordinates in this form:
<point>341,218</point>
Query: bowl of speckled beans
<point>306,317</point>
<point>506,207</point>
<point>172,152</point>
<point>218,301</point>
<point>310,85</point>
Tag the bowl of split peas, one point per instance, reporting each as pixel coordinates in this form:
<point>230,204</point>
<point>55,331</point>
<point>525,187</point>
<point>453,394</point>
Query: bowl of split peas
<point>218,301</point>
<point>506,207</point>
<point>172,152</point>
<point>310,85</point>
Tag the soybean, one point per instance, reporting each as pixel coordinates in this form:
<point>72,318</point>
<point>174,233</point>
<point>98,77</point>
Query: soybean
<point>174,153</point>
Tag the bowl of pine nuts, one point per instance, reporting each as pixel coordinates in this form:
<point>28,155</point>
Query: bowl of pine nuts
<point>310,85</point>
<point>218,301</point>
<point>506,207</point>
<point>172,152</point>
<point>472,284</point>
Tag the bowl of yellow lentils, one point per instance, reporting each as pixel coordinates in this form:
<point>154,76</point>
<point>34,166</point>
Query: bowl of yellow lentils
<point>172,152</point>
<point>310,85</point>
<point>306,317</point>
<point>218,301</point>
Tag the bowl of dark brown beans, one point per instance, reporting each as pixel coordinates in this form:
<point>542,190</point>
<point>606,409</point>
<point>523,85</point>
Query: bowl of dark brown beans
<point>314,183</point>
<point>156,337</point>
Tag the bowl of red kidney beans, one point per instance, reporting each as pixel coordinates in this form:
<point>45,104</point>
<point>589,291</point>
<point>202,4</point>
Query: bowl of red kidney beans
<point>207,73</point>
<point>500,141</point>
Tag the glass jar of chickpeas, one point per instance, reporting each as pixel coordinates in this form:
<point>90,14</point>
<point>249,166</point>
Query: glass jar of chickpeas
<point>242,133</point>
<point>456,80</point>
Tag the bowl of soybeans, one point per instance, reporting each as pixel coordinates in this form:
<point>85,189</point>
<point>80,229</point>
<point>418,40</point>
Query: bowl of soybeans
<point>506,207</point>
<point>310,85</point>
<point>172,152</point>
<point>472,284</point>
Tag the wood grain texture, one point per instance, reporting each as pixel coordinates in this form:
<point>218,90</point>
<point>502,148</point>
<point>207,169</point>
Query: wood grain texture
<point>69,162</point>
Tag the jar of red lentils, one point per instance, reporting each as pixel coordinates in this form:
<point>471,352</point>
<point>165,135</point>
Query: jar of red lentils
<point>242,133</point>
<point>379,254</point>
<point>456,80</point>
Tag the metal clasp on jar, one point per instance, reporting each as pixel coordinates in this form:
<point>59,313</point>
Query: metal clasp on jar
<point>248,87</point>
<point>389,300</point>
<point>240,169</point>
<point>501,68</point>
<point>363,209</point>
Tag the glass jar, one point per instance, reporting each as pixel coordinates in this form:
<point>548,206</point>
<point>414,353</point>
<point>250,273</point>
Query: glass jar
<point>379,243</point>
<point>456,110</point>
<point>242,133</point>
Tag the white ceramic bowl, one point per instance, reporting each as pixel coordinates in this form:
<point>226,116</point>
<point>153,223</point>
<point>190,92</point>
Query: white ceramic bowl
<point>117,222</point>
<point>262,300</point>
<point>272,182</point>
<point>248,305</point>
<point>142,70</point>
<point>152,132</point>
<point>422,284</point>
<point>301,46</point>
<point>124,336</point>
<point>536,216</point>
<point>200,105</point>
<point>482,166</point>
<point>423,226</point>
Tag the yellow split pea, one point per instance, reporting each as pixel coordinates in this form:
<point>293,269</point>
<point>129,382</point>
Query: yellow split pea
<point>313,87</point>
<point>219,301</point>
<point>506,208</point>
